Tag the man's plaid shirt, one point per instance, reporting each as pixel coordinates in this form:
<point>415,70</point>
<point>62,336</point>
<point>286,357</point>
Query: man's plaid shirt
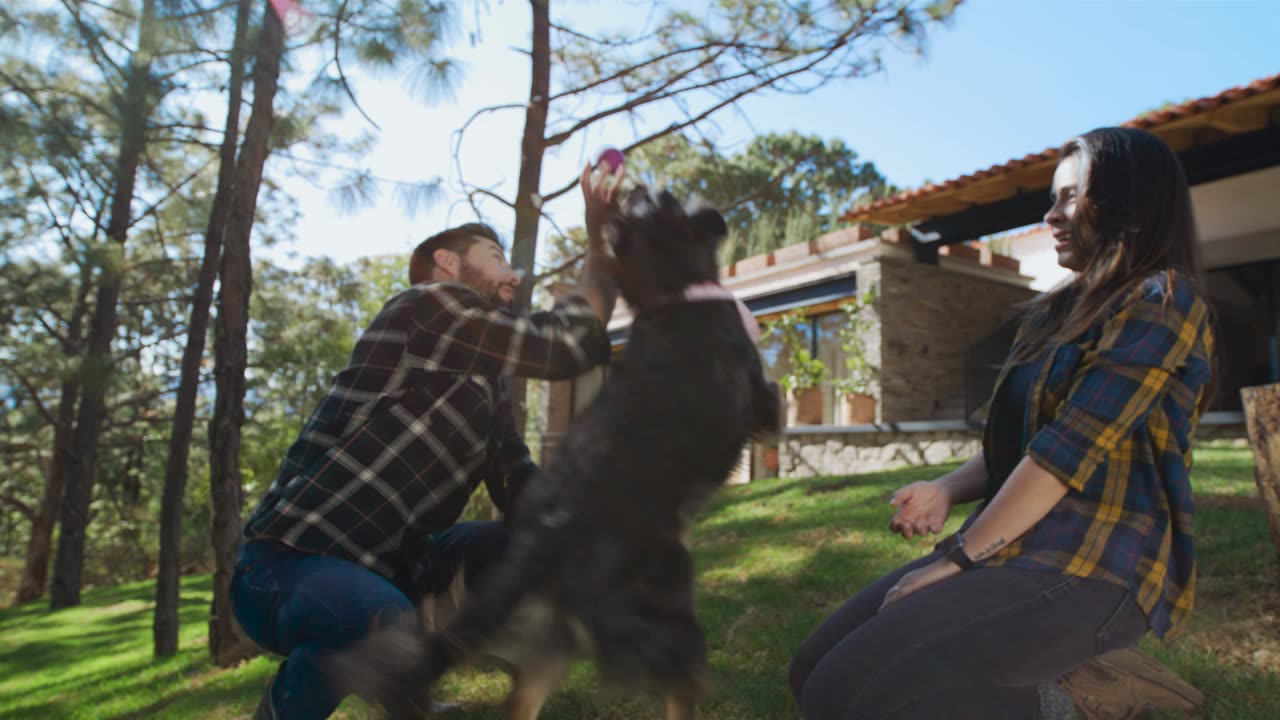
<point>1112,416</point>
<point>419,415</point>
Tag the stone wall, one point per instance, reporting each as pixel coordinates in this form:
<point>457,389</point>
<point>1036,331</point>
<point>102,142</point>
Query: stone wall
<point>847,451</point>
<point>929,317</point>
<point>827,450</point>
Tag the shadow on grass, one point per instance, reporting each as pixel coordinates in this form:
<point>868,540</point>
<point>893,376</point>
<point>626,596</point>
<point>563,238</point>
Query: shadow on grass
<point>191,703</point>
<point>184,686</point>
<point>79,661</point>
<point>752,625</point>
<point>774,559</point>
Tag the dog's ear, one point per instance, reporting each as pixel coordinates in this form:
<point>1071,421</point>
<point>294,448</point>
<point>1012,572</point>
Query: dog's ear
<point>639,202</point>
<point>766,399</point>
<point>708,225</point>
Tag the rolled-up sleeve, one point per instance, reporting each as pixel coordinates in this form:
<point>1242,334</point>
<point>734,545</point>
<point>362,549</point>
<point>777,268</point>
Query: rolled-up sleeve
<point>455,330</point>
<point>1146,351</point>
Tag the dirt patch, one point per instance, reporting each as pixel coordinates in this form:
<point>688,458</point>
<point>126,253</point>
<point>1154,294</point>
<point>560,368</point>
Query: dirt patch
<point>1253,643</point>
<point>829,536</point>
<point>1244,630</point>
<point>1243,503</point>
<point>826,486</point>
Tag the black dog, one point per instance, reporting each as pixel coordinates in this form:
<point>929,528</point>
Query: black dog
<point>596,563</point>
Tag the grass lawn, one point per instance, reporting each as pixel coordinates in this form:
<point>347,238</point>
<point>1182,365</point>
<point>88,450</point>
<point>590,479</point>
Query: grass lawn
<point>774,557</point>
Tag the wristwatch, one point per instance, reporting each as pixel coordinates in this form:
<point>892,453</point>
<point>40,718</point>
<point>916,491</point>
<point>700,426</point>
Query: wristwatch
<point>952,548</point>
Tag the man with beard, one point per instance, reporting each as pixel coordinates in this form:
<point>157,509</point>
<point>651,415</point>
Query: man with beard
<point>361,522</point>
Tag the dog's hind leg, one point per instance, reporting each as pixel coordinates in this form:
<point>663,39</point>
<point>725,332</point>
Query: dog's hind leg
<point>385,667</point>
<point>531,688</point>
<point>677,707</point>
<point>437,611</point>
<point>484,612</point>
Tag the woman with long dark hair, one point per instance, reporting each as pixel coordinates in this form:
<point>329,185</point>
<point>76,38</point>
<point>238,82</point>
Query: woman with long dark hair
<point>1083,540</point>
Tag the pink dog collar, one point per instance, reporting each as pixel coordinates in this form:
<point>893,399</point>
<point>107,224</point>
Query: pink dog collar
<point>716,291</point>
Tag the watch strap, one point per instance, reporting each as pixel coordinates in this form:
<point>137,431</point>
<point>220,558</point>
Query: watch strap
<point>952,548</point>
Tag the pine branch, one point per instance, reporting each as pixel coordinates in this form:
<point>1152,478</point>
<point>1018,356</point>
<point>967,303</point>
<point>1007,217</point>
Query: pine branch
<point>13,501</point>
<point>764,81</point>
<point>90,38</point>
<point>337,62</point>
<point>32,393</point>
<point>655,95</point>
<point>172,190</point>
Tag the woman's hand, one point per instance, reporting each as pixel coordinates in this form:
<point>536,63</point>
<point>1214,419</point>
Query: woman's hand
<point>922,509</point>
<point>600,199</point>
<point>919,579</point>
<point>597,282</point>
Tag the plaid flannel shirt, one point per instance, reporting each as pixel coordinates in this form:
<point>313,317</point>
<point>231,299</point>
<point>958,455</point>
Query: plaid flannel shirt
<point>1112,416</point>
<point>418,416</point>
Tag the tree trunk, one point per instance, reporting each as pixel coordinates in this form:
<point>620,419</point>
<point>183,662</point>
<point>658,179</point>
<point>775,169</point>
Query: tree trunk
<point>1262,417</point>
<point>97,366</point>
<point>165,625</point>
<point>35,568</point>
<point>528,201</point>
<point>227,644</point>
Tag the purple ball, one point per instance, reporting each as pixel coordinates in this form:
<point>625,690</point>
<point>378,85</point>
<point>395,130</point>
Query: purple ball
<point>610,159</point>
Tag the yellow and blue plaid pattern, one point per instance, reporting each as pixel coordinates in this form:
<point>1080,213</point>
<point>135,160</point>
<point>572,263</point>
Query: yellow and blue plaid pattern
<point>1112,416</point>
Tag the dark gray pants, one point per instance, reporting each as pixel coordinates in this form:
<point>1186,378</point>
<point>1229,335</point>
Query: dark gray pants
<point>975,645</point>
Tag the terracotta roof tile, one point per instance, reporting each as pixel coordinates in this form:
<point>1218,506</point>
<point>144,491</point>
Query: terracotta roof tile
<point>1146,121</point>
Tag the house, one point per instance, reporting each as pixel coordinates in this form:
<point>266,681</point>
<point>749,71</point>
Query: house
<point>958,258</point>
<point>1229,145</point>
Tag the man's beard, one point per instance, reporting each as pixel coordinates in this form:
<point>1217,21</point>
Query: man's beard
<point>488,289</point>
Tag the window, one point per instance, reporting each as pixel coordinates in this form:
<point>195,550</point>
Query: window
<point>832,355</point>
<point>772,353</point>
<point>1246,302</point>
<point>822,333</point>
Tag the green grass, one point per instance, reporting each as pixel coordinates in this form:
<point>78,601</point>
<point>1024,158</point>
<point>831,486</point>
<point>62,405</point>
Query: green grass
<point>1232,649</point>
<point>774,557</point>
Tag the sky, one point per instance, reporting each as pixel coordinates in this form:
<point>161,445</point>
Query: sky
<point>1004,79</point>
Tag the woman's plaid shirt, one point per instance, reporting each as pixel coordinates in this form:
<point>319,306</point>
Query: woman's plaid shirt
<point>416,419</point>
<point>1112,416</point>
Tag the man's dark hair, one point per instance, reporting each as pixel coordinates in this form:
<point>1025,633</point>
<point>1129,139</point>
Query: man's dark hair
<point>457,239</point>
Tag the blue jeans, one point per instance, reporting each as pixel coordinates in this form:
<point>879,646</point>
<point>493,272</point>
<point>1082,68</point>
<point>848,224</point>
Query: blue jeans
<point>975,645</point>
<point>308,607</point>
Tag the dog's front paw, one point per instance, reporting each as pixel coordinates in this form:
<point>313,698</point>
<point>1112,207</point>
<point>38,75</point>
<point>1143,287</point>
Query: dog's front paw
<point>409,698</point>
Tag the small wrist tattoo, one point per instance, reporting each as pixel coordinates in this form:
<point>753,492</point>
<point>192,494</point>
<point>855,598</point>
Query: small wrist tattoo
<point>990,550</point>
